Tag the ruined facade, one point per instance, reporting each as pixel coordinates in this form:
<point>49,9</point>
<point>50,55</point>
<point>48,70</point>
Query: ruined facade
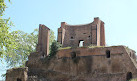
<point>92,62</point>
<point>91,34</point>
<point>43,40</point>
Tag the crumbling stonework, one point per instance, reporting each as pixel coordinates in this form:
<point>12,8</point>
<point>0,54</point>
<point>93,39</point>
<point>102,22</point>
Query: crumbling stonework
<point>91,34</point>
<point>43,40</point>
<point>17,74</point>
<point>88,63</point>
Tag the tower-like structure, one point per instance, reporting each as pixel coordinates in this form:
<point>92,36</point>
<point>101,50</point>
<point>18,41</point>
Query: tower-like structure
<point>43,40</point>
<point>89,34</point>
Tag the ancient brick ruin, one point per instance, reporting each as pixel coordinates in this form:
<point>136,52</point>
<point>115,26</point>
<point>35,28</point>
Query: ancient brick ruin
<point>91,34</point>
<point>92,61</point>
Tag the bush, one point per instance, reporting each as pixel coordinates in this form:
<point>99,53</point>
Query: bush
<point>54,48</point>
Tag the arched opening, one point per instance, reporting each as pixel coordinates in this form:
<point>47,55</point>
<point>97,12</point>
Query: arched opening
<point>129,76</point>
<point>18,79</point>
<point>108,53</point>
<point>81,43</point>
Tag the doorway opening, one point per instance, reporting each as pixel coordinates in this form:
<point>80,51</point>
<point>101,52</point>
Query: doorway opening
<point>81,43</point>
<point>129,76</point>
<point>108,53</point>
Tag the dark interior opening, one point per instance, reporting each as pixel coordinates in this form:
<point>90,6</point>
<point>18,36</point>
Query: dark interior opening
<point>129,76</point>
<point>18,79</point>
<point>73,55</point>
<point>71,37</point>
<point>130,54</point>
<point>108,53</point>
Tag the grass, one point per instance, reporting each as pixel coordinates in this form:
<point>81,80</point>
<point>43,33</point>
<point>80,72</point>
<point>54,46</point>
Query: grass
<point>133,80</point>
<point>64,48</point>
<point>95,46</point>
<point>80,47</point>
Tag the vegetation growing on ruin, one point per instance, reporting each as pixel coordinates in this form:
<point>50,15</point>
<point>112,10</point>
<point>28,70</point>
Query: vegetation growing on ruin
<point>95,46</point>
<point>62,48</point>
<point>133,80</point>
<point>53,50</point>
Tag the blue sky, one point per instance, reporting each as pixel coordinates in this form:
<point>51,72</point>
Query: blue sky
<point>119,17</point>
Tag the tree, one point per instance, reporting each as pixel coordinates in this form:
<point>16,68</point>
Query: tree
<point>7,41</point>
<point>54,48</point>
<point>26,44</point>
<point>17,45</point>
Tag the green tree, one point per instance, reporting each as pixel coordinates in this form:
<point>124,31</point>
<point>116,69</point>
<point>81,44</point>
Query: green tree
<point>54,48</point>
<point>7,41</point>
<point>17,45</point>
<point>26,44</point>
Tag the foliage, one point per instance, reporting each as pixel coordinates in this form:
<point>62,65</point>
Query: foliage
<point>2,7</point>
<point>54,49</point>
<point>26,44</point>
<point>7,41</point>
<point>17,45</point>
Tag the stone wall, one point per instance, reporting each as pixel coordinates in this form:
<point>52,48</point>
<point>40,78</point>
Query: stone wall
<point>90,64</point>
<point>43,40</point>
<point>17,74</point>
<point>92,34</point>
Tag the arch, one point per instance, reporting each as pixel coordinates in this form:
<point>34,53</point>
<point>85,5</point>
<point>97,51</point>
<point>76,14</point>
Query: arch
<point>129,76</point>
<point>81,43</point>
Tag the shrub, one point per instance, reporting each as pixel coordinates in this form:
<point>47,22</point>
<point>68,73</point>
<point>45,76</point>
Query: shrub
<point>54,48</point>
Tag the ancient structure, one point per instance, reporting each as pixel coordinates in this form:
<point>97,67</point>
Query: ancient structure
<point>86,59</point>
<point>89,34</point>
<point>43,40</point>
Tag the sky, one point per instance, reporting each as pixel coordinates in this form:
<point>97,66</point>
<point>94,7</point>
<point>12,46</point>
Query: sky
<point>119,17</point>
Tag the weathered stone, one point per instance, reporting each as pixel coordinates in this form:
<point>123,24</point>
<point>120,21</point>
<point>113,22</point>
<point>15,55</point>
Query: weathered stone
<point>43,40</point>
<point>91,34</point>
<point>17,74</point>
<point>94,63</point>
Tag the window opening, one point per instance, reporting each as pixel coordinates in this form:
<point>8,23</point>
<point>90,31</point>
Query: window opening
<point>108,53</point>
<point>81,43</point>
<point>129,76</point>
<point>71,37</point>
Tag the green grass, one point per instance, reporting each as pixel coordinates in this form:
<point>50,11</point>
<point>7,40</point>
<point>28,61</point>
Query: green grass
<point>80,47</point>
<point>95,46</point>
<point>133,80</point>
<point>64,48</point>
